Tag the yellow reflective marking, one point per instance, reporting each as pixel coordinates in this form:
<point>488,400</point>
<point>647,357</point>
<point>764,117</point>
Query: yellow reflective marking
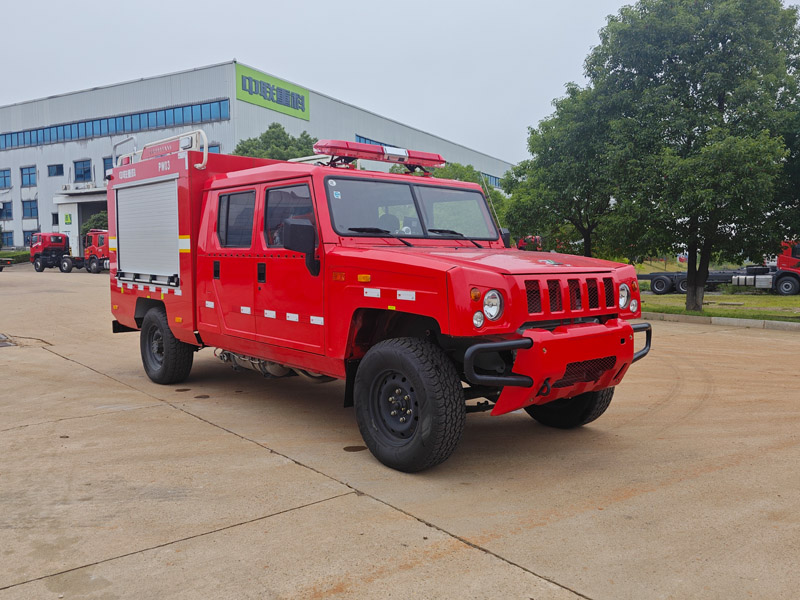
<point>391,307</point>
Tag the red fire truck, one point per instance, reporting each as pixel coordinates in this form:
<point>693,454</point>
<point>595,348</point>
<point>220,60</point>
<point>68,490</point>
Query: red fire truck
<point>52,249</point>
<point>401,286</point>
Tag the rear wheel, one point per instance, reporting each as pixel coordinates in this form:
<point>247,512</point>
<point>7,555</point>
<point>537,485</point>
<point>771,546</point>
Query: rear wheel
<point>65,265</point>
<point>567,413</point>
<point>683,285</point>
<point>38,264</point>
<point>788,286</point>
<point>409,404</point>
<point>165,358</point>
<point>660,285</point>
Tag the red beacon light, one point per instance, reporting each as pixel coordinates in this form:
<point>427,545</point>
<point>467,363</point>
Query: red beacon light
<point>340,149</point>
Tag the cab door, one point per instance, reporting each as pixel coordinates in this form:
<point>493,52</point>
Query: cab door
<point>226,266</point>
<point>288,298</point>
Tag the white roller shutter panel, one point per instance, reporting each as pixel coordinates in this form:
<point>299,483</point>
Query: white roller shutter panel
<point>147,229</point>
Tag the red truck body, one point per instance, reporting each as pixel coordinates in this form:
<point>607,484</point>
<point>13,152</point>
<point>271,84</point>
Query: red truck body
<point>541,331</point>
<point>47,249</point>
<point>52,249</point>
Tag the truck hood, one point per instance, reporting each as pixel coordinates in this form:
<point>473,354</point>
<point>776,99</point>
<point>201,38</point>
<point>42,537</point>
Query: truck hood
<point>506,261</point>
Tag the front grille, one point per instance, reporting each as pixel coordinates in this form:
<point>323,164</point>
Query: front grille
<point>554,288</point>
<point>534,296</point>
<point>570,295</point>
<point>585,371</point>
<point>608,286</point>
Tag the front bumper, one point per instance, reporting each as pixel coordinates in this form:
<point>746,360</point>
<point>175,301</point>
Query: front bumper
<point>561,363</point>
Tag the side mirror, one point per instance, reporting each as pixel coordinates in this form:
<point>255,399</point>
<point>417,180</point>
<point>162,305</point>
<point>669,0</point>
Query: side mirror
<point>299,235</point>
<point>505,235</point>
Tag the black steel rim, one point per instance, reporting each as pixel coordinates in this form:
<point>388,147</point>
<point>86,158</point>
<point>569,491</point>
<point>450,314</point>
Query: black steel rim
<point>155,347</point>
<point>395,408</point>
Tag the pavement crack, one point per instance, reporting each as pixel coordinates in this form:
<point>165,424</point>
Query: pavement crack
<point>178,541</point>
<point>99,414</point>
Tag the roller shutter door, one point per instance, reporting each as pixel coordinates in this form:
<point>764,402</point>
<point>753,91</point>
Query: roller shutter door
<point>147,230</point>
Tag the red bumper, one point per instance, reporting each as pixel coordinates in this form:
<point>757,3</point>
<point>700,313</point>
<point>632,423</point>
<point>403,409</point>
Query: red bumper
<point>565,362</point>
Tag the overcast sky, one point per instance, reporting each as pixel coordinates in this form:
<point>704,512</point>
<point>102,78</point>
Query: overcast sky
<point>476,72</point>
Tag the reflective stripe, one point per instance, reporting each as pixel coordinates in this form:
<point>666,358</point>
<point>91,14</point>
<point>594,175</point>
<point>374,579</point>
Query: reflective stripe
<point>405,295</point>
<point>372,292</point>
<point>112,243</point>
<point>245,310</point>
<point>269,314</point>
<point>292,317</point>
<point>209,304</point>
<point>317,321</point>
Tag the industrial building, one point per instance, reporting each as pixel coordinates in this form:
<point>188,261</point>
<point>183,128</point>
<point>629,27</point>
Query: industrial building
<point>54,151</point>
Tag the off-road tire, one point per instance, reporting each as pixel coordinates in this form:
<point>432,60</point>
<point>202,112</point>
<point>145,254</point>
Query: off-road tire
<point>660,285</point>
<point>683,286</point>
<point>38,265</point>
<point>430,388</point>
<point>166,359</point>
<point>568,413</point>
<point>65,265</point>
<point>787,286</point>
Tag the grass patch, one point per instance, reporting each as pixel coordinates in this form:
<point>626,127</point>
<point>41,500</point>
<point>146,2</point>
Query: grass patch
<point>19,256</point>
<point>764,306</point>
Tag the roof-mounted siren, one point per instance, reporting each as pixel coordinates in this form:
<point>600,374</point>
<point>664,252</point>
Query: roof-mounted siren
<point>343,154</point>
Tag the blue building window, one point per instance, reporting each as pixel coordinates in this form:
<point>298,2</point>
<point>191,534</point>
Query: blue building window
<point>219,110</point>
<point>213,148</point>
<point>83,170</point>
<point>8,238</point>
<point>492,180</point>
<point>28,176</point>
<point>6,211</point>
<point>55,170</point>
<point>107,164</point>
<point>364,140</point>
<point>5,178</point>
<point>30,209</point>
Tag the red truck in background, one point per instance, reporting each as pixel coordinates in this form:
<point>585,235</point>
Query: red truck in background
<point>52,249</point>
<point>401,286</point>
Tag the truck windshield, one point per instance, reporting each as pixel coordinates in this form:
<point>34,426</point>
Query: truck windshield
<point>380,208</point>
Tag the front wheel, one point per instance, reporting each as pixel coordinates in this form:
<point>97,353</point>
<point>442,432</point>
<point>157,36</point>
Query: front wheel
<point>788,286</point>
<point>94,266</point>
<point>65,265</point>
<point>165,358</point>
<point>38,264</point>
<point>567,413</point>
<point>409,404</point>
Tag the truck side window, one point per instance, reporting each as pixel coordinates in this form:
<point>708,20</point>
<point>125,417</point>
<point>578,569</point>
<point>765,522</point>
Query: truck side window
<point>293,202</point>
<point>235,225</point>
<point>796,251</point>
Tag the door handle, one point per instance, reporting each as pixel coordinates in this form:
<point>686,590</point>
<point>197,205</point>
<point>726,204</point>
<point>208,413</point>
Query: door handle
<point>262,272</point>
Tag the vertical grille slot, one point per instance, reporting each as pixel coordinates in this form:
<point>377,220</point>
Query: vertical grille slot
<point>608,285</point>
<point>534,296</point>
<point>554,290</point>
<point>594,295</point>
<point>574,294</point>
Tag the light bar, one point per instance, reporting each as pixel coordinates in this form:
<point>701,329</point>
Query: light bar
<point>341,148</point>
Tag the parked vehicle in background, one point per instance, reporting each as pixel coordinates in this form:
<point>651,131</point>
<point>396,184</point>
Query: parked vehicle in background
<point>783,278</point>
<point>49,250</point>
<point>401,286</point>
<point>6,262</point>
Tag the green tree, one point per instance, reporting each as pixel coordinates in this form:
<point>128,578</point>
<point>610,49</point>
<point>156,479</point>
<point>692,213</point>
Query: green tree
<point>565,191</point>
<point>276,143</point>
<point>96,221</point>
<point>702,99</point>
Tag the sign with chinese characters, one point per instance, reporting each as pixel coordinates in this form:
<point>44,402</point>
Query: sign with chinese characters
<point>261,89</point>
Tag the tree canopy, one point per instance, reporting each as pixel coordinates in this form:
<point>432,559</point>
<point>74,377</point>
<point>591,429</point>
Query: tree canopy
<point>685,138</point>
<point>96,221</point>
<point>276,143</point>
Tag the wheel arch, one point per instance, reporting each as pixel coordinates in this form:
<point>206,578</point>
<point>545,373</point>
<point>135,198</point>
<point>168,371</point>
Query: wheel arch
<point>143,305</point>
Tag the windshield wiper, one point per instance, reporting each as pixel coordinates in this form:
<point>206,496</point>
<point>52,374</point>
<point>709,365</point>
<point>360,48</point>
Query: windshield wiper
<point>452,232</point>
<point>379,230</point>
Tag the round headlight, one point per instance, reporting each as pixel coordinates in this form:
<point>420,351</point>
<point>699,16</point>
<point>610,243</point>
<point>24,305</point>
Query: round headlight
<point>624,295</point>
<point>493,305</point>
<point>477,319</point>
<point>634,306</point>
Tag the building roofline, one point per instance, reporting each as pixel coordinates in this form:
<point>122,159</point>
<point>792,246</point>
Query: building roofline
<point>233,62</point>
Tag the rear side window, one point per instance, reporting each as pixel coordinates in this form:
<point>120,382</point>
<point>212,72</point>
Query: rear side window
<point>57,239</point>
<point>293,203</point>
<point>235,220</point>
